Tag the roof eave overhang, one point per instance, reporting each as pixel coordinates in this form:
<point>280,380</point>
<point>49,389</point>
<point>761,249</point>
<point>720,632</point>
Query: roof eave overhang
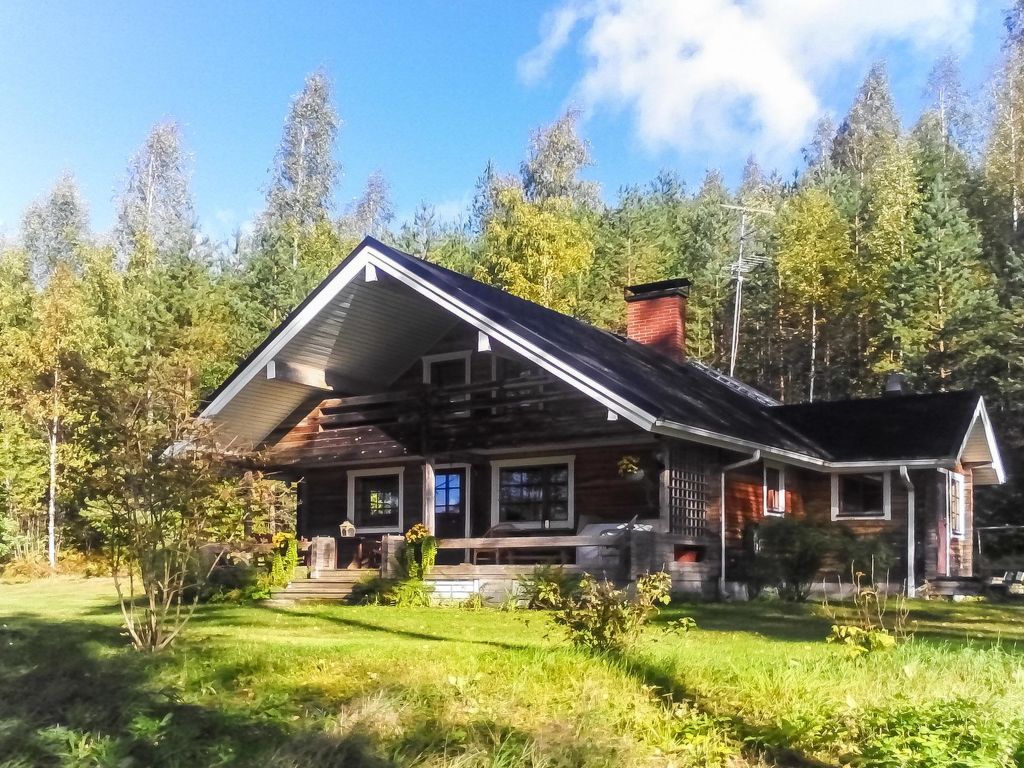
<point>996,460</point>
<point>366,256</point>
<point>686,432</point>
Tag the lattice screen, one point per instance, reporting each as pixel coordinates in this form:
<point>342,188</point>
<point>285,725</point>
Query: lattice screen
<point>687,492</point>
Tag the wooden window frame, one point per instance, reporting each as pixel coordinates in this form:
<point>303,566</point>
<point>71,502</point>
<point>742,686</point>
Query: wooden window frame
<point>352,474</point>
<point>957,529</point>
<point>444,357</point>
<point>537,461</point>
<point>781,469</point>
<point>467,496</point>
<point>837,516</point>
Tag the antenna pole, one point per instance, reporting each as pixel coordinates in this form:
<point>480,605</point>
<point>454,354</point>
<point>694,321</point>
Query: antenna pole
<point>737,306</point>
<point>740,267</point>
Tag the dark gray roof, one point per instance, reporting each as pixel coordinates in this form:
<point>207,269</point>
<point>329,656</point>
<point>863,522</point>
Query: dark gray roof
<point>885,428</point>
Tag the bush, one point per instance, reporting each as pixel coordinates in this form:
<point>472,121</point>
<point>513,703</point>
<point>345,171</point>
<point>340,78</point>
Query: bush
<point>279,577</point>
<point>87,564</point>
<point>418,553</point>
<point>291,556</point>
<point>548,585</point>
<point>789,555</point>
<point>401,593</point>
<point>872,555</point>
<point>608,620</point>
<point>879,620</point>
<point>28,567</point>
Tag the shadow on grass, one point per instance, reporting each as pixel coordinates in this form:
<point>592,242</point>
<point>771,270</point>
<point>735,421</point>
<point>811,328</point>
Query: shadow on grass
<point>347,621</point>
<point>758,743</point>
<point>793,622</point>
<point>72,693</point>
<point>962,623</point>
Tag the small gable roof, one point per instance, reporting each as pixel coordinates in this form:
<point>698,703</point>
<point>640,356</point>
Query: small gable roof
<point>687,400</point>
<point>900,428</point>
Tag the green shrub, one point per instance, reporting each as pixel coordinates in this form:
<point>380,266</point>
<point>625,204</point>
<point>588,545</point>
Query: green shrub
<point>789,555</point>
<point>418,552</point>
<point>474,602</point>
<point>861,641</point>
<point>871,555</point>
<point>377,590</point>
<point>291,556</point>
<point>606,619</point>
<point>279,577</point>
<point>934,735</point>
<point>548,585</point>
<point>878,621</point>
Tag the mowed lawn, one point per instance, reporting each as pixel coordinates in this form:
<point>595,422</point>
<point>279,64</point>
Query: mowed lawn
<point>323,685</point>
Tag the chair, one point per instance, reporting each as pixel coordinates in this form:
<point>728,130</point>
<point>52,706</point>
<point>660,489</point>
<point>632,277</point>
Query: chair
<point>488,556</point>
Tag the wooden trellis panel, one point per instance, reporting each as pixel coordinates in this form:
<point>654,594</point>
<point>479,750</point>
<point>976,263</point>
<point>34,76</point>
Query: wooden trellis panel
<point>687,492</point>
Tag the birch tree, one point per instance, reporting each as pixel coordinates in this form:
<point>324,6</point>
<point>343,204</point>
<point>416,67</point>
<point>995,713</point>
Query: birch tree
<point>155,209</point>
<point>54,230</point>
<point>556,158</point>
<point>305,171</point>
<point>814,265</point>
<point>538,251</point>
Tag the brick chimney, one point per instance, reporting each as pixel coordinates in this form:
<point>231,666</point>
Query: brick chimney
<point>656,315</point>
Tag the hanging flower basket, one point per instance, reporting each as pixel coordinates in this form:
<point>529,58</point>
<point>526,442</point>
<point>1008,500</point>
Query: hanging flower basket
<point>630,469</point>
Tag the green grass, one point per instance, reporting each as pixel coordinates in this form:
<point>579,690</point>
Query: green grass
<point>374,686</point>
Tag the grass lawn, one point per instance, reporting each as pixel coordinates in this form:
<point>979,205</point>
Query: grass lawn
<point>322,685</point>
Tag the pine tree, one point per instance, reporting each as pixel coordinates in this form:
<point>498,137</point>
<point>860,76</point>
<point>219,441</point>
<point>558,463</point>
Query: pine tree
<point>943,314</point>
<point>705,251</point>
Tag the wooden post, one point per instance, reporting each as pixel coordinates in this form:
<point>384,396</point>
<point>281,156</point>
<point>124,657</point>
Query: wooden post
<point>428,495</point>
<point>665,459</point>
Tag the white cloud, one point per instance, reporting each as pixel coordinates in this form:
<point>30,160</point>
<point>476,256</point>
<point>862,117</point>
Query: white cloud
<point>706,75</point>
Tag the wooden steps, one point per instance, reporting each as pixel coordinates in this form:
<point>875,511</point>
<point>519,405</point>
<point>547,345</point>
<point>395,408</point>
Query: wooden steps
<point>326,585</point>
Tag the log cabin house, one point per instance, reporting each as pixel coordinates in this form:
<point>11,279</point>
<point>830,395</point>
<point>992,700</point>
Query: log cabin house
<point>400,392</point>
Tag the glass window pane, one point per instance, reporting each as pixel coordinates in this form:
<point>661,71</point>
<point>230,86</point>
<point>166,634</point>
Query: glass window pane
<point>376,501</point>
<point>534,493</point>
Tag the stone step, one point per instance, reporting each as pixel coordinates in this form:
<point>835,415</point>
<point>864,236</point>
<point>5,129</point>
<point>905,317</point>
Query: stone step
<point>344,576</point>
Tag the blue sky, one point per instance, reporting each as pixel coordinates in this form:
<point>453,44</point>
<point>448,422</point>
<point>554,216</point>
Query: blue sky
<point>428,91</point>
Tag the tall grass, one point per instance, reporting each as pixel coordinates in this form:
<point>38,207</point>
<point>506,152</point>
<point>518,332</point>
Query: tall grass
<point>443,688</point>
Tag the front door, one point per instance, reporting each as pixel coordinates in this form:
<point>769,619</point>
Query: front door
<point>451,494</point>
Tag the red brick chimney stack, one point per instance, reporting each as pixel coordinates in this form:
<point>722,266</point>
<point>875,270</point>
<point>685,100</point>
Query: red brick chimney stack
<point>656,315</point>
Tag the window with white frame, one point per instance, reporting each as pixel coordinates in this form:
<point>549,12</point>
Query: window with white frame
<point>450,369</point>
<point>447,370</point>
<point>533,493</point>
<point>862,496</point>
<point>774,490</point>
<point>956,507</point>
<point>375,499</point>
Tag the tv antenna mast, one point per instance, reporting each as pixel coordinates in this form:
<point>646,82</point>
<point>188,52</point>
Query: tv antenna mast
<point>739,269</point>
